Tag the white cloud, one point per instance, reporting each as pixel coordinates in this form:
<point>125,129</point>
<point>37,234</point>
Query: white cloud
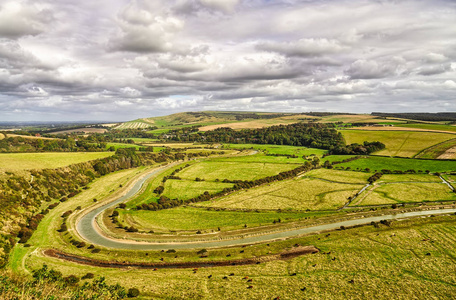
<point>304,47</point>
<point>144,31</point>
<point>123,59</point>
<point>22,18</point>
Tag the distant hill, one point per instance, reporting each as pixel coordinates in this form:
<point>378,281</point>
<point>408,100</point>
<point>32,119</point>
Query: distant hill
<point>209,120</point>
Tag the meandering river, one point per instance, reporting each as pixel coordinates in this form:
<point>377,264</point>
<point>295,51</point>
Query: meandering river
<point>88,228</point>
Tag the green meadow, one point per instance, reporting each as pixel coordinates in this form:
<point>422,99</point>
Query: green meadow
<point>398,143</point>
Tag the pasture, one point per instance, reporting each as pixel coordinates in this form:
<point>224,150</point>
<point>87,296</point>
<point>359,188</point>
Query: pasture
<point>147,194</point>
<point>186,189</point>
<point>442,150</point>
<point>398,143</point>
<point>294,194</point>
<point>276,149</point>
<point>233,170</point>
<point>408,192</point>
<point>47,160</point>
<point>387,178</point>
<point>193,219</point>
<point>436,127</point>
<point>378,163</point>
<point>339,176</point>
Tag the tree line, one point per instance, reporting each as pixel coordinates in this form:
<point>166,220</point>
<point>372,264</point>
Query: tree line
<point>314,135</point>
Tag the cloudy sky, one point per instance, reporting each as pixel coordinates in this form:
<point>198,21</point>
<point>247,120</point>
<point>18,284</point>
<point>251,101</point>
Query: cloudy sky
<point>121,60</point>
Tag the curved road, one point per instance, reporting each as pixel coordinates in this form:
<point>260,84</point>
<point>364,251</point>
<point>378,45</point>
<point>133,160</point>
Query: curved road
<point>87,227</point>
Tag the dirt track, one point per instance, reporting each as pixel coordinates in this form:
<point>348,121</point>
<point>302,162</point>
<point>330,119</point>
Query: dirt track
<point>297,251</point>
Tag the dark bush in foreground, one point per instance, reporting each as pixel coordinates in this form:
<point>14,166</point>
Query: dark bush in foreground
<point>133,292</point>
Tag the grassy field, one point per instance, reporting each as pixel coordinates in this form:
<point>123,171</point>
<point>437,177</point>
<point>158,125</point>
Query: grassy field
<point>408,178</point>
<point>174,145</point>
<point>193,219</point>
<point>339,176</point>
<point>296,194</point>
<point>437,151</point>
<point>122,145</point>
<point>408,260</point>
<point>398,143</point>
<point>429,126</point>
<point>351,119</point>
<point>186,189</point>
<point>147,194</point>
<point>48,160</point>
<point>274,149</point>
<point>405,193</point>
<point>376,163</point>
<point>261,158</point>
<point>136,124</point>
<point>233,170</point>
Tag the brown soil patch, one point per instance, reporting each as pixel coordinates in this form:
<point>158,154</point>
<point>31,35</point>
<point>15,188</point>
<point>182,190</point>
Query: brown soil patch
<point>449,154</point>
<point>248,125</point>
<point>296,251</point>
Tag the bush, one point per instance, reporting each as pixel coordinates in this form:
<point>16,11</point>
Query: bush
<point>71,280</point>
<point>133,292</point>
<point>88,276</point>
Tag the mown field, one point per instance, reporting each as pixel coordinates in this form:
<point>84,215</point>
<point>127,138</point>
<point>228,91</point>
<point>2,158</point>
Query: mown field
<point>398,143</point>
<point>49,160</point>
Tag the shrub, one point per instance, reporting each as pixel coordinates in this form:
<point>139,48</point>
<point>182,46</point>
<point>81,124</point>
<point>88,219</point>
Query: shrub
<point>71,280</point>
<point>133,292</point>
<point>88,276</point>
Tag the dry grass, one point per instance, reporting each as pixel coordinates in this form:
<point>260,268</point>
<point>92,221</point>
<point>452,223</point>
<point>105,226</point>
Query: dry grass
<point>48,160</point>
<point>29,137</point>
<point>449,154</point>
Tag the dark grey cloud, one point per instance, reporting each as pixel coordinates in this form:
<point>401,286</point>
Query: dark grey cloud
<point>123,59</point>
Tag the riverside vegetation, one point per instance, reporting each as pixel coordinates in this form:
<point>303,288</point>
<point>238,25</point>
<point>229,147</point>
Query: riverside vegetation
<point>223,190</point>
